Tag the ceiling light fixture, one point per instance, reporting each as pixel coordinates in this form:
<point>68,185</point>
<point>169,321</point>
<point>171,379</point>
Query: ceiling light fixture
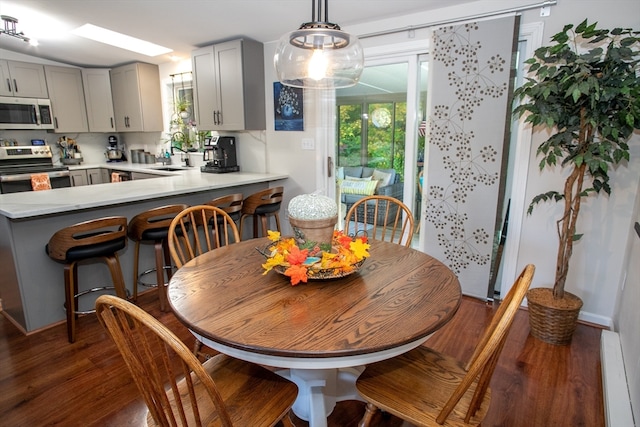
<point>319,55</point>
<point>120,40</point>
<point>10,28</point>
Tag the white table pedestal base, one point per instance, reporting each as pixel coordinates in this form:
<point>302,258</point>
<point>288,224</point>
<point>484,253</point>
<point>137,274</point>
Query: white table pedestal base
<point>320,389</point>
<point>322,382</point>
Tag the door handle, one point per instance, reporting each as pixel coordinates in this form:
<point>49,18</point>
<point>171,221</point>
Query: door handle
<point>329,166</point>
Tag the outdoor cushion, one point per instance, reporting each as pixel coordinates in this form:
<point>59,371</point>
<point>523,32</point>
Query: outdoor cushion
<point>383,178</point>
<point>365,188</point>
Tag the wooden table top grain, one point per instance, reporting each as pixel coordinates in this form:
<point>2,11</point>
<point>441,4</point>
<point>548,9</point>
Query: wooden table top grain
<point>398,296</point>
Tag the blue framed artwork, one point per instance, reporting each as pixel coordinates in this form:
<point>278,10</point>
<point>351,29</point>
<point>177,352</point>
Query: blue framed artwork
<point>288,107</point>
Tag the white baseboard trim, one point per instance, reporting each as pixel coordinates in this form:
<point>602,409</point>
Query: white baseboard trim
<point>617,404</point>
<point>596,319</point>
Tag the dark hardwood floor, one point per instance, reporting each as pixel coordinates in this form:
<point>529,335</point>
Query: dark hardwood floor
<point>45,381</point>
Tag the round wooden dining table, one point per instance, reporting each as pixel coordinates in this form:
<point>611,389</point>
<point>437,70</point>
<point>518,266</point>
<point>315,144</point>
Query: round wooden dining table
<point>322,333</point>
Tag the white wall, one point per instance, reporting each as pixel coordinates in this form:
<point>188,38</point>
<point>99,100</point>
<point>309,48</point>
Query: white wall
<point>627,316</point>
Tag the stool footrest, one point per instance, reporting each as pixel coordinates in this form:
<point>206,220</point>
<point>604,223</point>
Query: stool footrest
<point>149,271</point>
<point>88,291</point>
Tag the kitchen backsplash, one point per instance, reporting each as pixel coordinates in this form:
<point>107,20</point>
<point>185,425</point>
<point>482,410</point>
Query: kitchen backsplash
<point>92,145</point>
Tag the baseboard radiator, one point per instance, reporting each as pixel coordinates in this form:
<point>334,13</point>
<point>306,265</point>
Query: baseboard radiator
<point>617,404</point>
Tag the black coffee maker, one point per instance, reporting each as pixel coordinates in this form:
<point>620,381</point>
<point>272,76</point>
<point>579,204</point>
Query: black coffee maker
<point>220,155</point>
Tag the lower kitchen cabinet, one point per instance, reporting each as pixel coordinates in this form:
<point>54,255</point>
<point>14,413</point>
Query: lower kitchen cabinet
<point>78,177</point>
<point>89,176</point>
<point>98,176</point>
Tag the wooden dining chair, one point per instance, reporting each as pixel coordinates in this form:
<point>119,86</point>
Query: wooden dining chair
<point>427,388</point>
<point>178,389</point>
<point>381,218</point>
<point>199,229</point>
<point>194,231</point>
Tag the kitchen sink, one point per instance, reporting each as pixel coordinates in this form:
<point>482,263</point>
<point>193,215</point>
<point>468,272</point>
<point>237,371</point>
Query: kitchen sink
<point>172,168</point>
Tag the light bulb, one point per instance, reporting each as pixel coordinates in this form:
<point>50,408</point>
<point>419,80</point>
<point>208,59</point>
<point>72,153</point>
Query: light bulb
<point>318,65</point>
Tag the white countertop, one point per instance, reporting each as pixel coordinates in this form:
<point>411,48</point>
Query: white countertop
<point>169,183</point>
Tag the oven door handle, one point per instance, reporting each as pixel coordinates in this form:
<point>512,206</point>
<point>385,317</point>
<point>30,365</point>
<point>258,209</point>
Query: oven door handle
<point>27,176</point>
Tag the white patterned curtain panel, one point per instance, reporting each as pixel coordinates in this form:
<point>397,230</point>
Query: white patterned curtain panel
<point>468,109</point>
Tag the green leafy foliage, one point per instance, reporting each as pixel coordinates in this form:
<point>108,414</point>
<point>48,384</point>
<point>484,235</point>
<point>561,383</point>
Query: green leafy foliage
<point>588,96</point>
<point>585,86</point>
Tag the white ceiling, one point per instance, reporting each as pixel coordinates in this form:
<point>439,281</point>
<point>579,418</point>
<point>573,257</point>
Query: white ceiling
<point>181,25</point>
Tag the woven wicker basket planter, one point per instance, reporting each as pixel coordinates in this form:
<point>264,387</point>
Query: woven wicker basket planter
<point>552,321</point>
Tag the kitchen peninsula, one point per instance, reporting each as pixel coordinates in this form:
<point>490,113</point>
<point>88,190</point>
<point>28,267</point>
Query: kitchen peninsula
<point>32,285</point>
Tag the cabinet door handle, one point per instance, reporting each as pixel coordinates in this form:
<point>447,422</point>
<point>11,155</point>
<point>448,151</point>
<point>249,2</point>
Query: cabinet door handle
<point>15,85</point>
<point>9,84</point>
<point>111,119</point>
<point>219,117</point>
<point>55,120</point>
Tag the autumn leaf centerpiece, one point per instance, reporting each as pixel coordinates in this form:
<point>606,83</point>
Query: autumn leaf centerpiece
<point>301,261</point>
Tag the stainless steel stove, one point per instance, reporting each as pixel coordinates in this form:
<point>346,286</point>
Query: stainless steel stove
<point>18,163</point>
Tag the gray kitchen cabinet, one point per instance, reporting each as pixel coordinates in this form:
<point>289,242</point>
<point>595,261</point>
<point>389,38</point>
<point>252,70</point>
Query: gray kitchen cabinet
<point>136,98</point>
<point>67,99</point>
<point>229,86</point>
<point>98,99</point>
<point>22,79</point>
<point>98,176</point>
<point>78,177</point>
<point>90,176</point>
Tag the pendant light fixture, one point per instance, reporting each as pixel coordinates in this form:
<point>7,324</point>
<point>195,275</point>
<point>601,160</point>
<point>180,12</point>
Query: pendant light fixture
<point>319,55</point>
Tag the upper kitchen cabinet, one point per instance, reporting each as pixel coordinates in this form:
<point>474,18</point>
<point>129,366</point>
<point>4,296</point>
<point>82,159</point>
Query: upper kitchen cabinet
<point>22,79</point>
<point>136,98</point>
<point>229,86</point>
<point>97,95</point>
<point>67,99</point>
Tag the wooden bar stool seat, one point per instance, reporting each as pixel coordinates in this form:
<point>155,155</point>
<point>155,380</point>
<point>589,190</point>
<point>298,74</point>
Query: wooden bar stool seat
<point>152,226</point>
<point>263,204</point>
<point>231,204</point>
<point>100,238</point>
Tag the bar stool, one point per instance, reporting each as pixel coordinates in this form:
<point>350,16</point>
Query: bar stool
<point>231,204</point>
<point>98,238</point>
<point>152,226</point>
<point>262,204</point>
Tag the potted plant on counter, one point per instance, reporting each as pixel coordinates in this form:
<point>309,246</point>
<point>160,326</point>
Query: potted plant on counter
<point>585,90</point>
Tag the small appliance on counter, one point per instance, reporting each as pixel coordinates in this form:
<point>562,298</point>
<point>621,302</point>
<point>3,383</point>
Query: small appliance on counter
<point>114,153</point>
<point>220,155</point>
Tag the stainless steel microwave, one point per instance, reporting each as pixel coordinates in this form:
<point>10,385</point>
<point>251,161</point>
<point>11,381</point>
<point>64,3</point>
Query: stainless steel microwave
<point>25,113</point>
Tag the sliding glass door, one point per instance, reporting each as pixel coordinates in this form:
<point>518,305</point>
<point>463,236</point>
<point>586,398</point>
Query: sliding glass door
<point>377,122</point>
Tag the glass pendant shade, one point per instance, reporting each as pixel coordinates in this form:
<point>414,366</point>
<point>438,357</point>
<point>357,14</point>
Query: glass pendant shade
<point>319,56</point>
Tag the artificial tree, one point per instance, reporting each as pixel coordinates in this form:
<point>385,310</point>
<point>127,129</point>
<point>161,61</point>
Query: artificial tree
<point>585,88</point>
